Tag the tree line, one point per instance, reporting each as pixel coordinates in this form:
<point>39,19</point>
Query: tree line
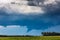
<point>16,36</point>
<point>50,34</point>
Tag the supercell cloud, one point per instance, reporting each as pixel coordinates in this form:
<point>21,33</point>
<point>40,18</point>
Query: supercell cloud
<point>35,14</point>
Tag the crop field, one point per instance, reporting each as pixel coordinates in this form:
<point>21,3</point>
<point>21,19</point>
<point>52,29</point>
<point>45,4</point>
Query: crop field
<point>32,38</point>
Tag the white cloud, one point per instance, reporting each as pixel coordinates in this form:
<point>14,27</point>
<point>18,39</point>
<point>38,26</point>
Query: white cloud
<point>49,2</point>
<point>1,27</point>
<point>13,30</point>
<point>25,9</point>
<point>20,7</point>
<point>18,30</point>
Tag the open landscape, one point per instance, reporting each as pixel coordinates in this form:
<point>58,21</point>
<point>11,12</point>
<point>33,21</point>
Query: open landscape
<point>32,38</point>
<point>29,19</point>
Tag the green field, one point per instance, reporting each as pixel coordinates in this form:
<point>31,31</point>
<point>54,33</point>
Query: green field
<point>31,38</point>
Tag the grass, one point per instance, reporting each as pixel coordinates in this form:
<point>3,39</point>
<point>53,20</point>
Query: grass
<point>32,38</point>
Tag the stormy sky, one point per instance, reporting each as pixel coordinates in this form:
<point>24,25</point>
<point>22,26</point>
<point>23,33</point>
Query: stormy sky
<point>29,16</point>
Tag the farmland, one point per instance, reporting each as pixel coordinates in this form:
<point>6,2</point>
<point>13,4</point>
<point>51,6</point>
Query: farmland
<point>32,38</point>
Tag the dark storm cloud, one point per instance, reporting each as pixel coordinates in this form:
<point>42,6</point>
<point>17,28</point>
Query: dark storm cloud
<point>34,2</point>
<point>47,5</point>
<point>48,19</point>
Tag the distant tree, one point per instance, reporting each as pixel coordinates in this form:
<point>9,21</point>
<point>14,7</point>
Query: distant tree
<point>50,34</point>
